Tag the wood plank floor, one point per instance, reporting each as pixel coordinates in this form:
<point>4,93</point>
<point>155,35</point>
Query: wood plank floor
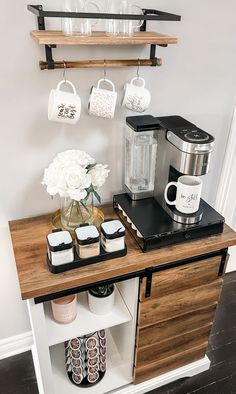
<point>17,373</point>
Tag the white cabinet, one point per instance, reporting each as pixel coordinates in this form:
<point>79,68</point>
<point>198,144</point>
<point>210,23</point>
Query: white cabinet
<point>49,337</point>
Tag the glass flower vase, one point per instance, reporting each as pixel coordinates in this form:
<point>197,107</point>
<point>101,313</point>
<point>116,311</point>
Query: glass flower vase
<point>74,213</point>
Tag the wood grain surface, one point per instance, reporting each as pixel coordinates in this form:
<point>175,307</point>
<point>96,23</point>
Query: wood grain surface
<point>183,277</point>
<point>29,244</point>
<point>160,367</point>
<point>171,346</point>
<point>100,38</point>
<point>170,328</point>
<point>173,305</point>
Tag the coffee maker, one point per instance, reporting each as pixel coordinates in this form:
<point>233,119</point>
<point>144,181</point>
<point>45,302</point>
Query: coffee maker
<point>159,150</point>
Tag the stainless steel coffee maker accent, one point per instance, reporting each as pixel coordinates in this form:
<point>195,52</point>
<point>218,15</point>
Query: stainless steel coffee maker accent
<point>183,149</point>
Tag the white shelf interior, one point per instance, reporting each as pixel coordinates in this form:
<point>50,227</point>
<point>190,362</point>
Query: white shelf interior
<point>117,374</point>
<point>85,321</point>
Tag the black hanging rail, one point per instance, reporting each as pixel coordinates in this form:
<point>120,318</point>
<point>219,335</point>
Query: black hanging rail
<point>148,14</point>
<point>151,15</point>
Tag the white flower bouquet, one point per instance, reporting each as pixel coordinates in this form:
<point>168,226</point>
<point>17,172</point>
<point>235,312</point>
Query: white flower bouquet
<point>75,176</point>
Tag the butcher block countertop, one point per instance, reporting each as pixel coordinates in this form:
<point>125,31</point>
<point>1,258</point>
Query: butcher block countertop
<point>30,248</point>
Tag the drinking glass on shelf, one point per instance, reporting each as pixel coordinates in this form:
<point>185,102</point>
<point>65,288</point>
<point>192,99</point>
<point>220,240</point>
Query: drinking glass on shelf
<point>112,25</point>
<point>122,27</point>
<point>127,27</point>
<point>78,26</point>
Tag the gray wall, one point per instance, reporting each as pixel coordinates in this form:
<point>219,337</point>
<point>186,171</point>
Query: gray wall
<point>197,81</point>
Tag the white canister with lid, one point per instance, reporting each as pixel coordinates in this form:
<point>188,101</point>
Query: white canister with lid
<point>112,236</point>
<point>60,247</point>
<point>88,241</point>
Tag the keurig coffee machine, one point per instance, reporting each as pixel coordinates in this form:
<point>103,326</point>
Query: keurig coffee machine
<point>160,150</point>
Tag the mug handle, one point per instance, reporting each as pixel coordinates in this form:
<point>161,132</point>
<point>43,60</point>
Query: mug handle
<point>108,81</point>
<point>140,9</point>
<point>97,8</point>
<point>166,191</point>
<point>138,79</point>
<point>69,83</point>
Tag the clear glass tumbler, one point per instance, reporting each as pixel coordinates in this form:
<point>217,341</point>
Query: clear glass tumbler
<point>78,26</point>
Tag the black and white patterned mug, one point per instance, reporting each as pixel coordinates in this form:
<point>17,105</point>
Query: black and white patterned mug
<point>64,107</point>
<point>102,102</point>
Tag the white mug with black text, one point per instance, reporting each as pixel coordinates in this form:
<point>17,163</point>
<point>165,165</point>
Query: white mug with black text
<point>188,194</point>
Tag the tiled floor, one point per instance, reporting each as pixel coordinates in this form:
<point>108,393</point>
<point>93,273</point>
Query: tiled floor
<point>17,373</point>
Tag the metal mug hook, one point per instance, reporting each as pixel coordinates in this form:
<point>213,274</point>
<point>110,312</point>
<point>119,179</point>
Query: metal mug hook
<point>138,69</point>
<point>64,70</point>
<point>104,70</point>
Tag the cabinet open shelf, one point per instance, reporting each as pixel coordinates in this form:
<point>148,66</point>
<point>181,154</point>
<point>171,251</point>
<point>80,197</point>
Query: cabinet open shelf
<point>117,374</point>
<point>85,321</point>
<point>56,37</point>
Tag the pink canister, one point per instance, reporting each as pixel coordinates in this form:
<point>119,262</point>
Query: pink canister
<point>64,309</point>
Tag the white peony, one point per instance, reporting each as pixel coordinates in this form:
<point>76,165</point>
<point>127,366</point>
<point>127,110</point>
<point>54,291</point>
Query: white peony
<point>53,179</point>
<point>73,156</point>
<point>76,181</point>
<point>99,173</point>
<point>74,174</point>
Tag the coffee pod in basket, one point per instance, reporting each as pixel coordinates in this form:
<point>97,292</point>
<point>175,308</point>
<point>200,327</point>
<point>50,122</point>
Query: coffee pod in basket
<point>77,362</point>
<point>93,369</point>
<point>102,334</point>
<point>93,377</point>
<point>102,342</point>
<point>92,353</point>
<point>103,359</point>
<point>103,351</point>
<point>77,370</point>
<point>75,343</point>
<point>76,353</point>
<point>66,344</point>
<point>93,361</point>
<point>77,379</point>
<point>91,343</point>
<point>102,367</point>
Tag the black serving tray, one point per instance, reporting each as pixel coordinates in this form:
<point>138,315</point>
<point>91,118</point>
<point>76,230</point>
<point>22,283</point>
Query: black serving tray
<point>78,262</point>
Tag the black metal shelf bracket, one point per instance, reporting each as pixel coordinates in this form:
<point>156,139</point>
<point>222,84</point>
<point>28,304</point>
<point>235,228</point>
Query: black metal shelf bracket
<point>148,14</point>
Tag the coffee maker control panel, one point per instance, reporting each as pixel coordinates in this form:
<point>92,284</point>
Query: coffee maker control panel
<point>186,136</point>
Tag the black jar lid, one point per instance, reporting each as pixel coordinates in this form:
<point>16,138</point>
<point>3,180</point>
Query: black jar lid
<point>86,234</point>
<point>59,240</point>
<point>113,229</point>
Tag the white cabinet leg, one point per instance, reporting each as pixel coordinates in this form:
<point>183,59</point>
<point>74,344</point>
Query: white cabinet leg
<point>40,349</point>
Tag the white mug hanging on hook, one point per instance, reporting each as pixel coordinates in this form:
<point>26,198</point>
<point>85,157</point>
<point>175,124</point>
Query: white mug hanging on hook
<point>136,97</point>
<point>102,102</point>
<point>64,107</point>
<point>79,26</point>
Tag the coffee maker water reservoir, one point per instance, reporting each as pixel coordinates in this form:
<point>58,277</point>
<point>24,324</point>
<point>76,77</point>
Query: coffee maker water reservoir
<point>140,159</point>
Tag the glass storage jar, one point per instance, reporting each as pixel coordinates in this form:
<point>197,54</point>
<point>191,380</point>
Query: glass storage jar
<point>60,247</point>
<point>88,241</point>
<point>112,236</point>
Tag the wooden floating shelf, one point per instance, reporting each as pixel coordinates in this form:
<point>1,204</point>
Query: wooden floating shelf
<point>56,37</point>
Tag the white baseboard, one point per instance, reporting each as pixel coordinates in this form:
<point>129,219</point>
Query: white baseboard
<point>16,345</point>
<point>183,372</point>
